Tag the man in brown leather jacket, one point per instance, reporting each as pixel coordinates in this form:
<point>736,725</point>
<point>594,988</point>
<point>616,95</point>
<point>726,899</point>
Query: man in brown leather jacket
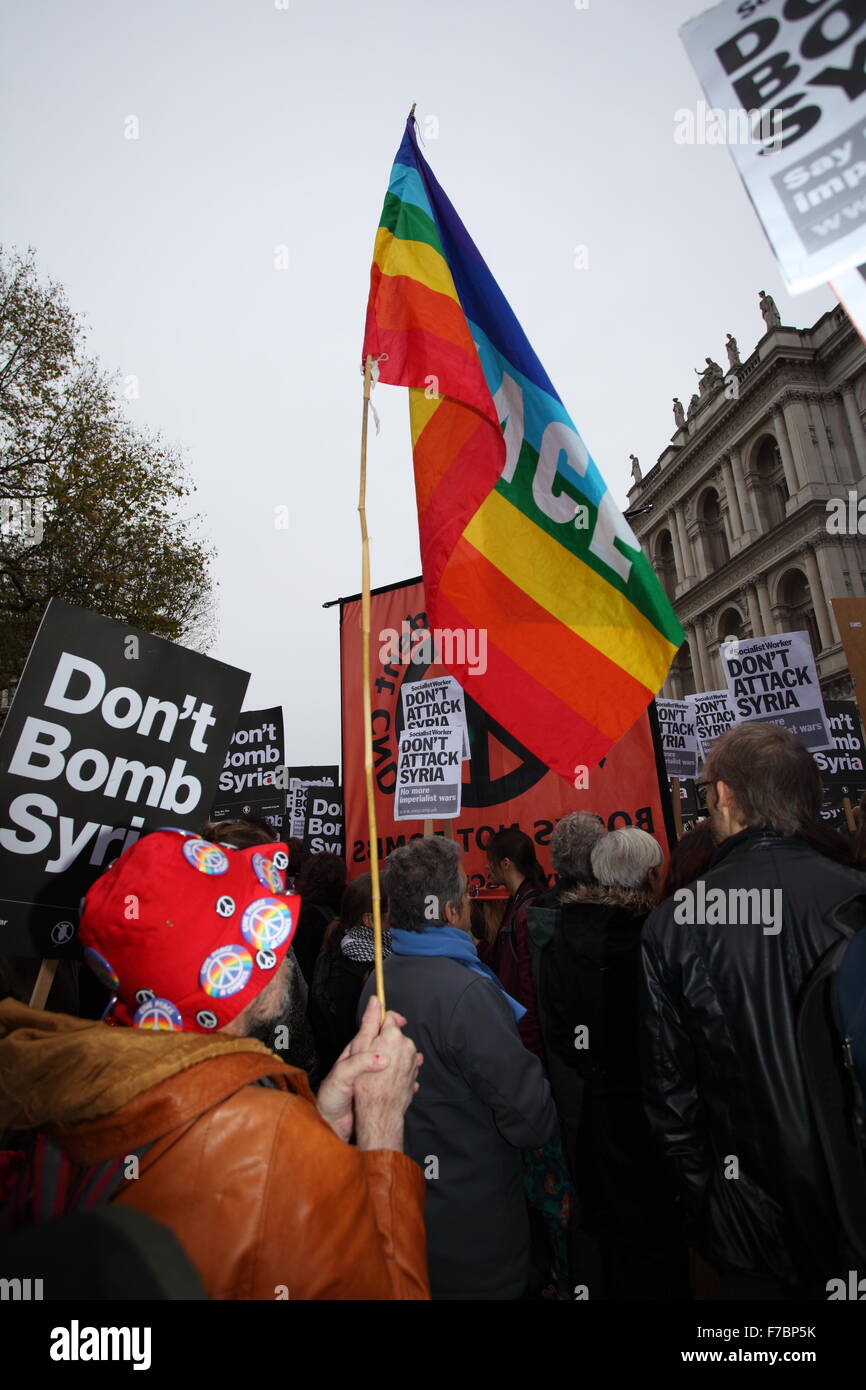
<point>256,1178</point>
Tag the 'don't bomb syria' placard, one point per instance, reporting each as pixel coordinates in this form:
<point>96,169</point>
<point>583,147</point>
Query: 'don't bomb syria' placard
<point>112,732</point>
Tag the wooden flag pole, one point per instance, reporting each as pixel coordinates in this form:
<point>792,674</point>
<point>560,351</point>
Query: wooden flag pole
<point>42,986</point>
<point>849,814</point>
<point>368,728</point>
<point>678,810</point>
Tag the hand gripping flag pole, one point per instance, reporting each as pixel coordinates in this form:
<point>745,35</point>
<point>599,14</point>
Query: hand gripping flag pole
<point>368,728</point>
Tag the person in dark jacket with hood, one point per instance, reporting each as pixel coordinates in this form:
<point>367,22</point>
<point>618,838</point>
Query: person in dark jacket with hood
<point>343,966</point>
<point>592,972</point>
<point>725,962</point>
<point>484,1098</point>
<point>571,844</point>
<point>511,864</point>
<point>320,884</point>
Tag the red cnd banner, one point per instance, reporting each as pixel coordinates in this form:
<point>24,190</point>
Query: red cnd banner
<point>503,783</point>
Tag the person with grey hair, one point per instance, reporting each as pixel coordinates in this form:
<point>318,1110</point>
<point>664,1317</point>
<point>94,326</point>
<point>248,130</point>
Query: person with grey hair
<point>590,982</point>
<point>727,964</point>
<point>571,846</point>
<point>572,843</point>
<point>627,858</point>
<point>484,1098</point>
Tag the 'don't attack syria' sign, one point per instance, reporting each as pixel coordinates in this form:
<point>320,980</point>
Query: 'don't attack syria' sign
<point>773,680</point>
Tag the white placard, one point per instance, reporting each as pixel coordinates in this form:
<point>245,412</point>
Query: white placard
<point>429,781</point>
<point>788,81</point>
<point>679,741</point>
<point>713,714</point>
<point>773,680</point>
<point>435,704</point>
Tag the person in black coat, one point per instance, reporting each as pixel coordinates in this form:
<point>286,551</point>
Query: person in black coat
<point>725,962</point>
<point>591,979</point>
<point>343,966</point>
<point>483,1097</point>
<point>571,844</point>
<point>320,884</point>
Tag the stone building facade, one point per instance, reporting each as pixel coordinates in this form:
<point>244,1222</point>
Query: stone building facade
<point>738,527</point>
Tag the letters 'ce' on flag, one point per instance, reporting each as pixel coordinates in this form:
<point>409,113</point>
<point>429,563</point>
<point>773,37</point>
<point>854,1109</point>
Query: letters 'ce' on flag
<point>519,533</point>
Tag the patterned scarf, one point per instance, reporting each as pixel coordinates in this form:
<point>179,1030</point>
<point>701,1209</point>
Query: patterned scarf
<point>357,944</point>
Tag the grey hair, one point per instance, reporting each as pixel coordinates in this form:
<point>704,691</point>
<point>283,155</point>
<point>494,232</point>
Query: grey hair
<point>572,841</point>
<point>421,878</point>
<point>623,858</point>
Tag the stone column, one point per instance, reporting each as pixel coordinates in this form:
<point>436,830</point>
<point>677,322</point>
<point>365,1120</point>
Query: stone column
<point>855,425</point>
<point>675,540</point>
<point>696,538</point>
<point>685,544</point>
<point>805,454</point>
<point>725,514</point>
<point>715,675</point>
<point>784,444</point>
<point>700,656</point>
<point>743,498</point>
<point>823,586</point>
<point>852,559</point>
<point>763,593</point>
<point>733,499</point>
<point>818,602</point>
<point>754,612</point>
<point>825,448</point>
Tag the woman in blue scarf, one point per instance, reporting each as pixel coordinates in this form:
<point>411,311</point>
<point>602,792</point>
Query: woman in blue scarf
<point>483,1097</point>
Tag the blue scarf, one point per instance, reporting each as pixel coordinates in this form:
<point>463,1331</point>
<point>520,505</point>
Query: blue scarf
<point>456,945</point>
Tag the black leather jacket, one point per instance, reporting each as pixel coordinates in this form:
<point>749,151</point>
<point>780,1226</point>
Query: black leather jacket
<point>724,1089</point>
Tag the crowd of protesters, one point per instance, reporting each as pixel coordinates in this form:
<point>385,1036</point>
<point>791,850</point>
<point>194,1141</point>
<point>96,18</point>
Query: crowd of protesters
<point>619,1095</point>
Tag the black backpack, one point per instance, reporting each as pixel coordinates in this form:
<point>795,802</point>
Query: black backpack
<point>831,1041</point>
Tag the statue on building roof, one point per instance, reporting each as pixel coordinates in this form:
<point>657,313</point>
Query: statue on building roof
<point>679,413</point>
<point>733,351</point>
<point>709,375</point>
<point>693,404</point>
<point>772,317</point>
<point>635,467</point>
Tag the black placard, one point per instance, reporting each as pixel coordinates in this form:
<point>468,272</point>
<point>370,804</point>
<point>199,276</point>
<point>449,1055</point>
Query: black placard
<point>306,785</point>
<point>253,779</point>
<point>112,732</point>
<point>843,767</point>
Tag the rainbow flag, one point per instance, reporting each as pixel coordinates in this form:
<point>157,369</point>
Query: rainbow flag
<point>520,537</point>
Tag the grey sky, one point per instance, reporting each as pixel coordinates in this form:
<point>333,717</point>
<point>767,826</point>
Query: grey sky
<point>261,127</point>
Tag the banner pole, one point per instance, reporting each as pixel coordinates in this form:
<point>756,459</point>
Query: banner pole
<point>368,728</point>
<point>42,986</point>
<point>661,773</point>
<point>678,810</point>
<point>849,814</point>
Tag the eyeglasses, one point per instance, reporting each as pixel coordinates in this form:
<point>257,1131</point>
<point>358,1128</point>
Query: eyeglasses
<point>701,792</point>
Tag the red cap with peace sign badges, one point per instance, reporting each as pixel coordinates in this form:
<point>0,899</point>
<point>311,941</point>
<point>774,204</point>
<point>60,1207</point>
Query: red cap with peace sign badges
<point>186,933</point>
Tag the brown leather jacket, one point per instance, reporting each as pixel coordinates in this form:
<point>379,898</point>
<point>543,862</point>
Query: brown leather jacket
<point>265,1199</point>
